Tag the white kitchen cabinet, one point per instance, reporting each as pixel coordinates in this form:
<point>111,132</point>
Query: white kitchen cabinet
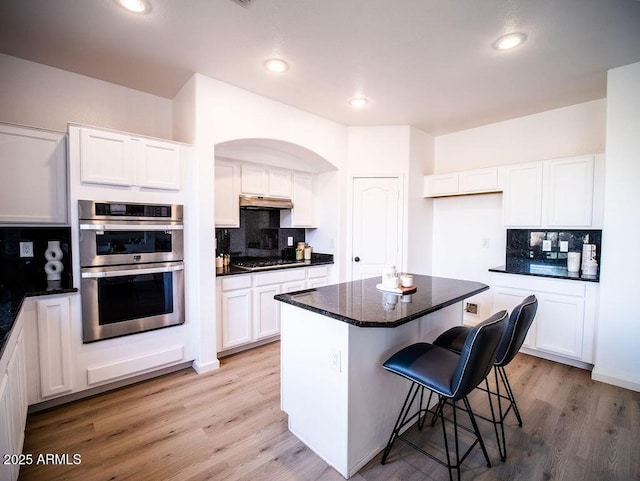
<point>248,313</point>
<point>54,345</point>
<point>255,179</point>
<point>106,157</point>
<point>259,179</point>
<point>522,198</point>
<point>441,184</point>
<point>236,313</point>
<point>227,191</point>
<point>266,313</point>
<point>570,192</point>
<point>159,164</point>
<point>302,214</point>
<point>120,159</point>
<point>280,183</point>
<point>33,185</point>
<point>564,326</point>
<point>317,276</point>
<point>554,193</point>
<point>467,182</point>
<point>13,400</point>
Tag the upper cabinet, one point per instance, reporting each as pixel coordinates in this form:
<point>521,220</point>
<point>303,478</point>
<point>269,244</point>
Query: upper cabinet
<point>266,181</point>
<point>554,193</point>
<point>112,158</point>
<point>227,191</point>
<point>303,198</point>
<point>33,185</point>
<point>522,198</point>
<point>477,181</point>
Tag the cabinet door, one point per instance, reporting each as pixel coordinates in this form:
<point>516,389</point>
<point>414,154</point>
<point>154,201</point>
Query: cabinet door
<point>159,164</point>
<point>302,214</point>
<point>507,299</point>
<point>54,345</point>
<point>522,197</point>
<point>17,390</point>
<point>480,180</point>
<point>440,184</point>
<point>227,190</point>
<point>106,157</point>
<point>254,179</point>
<point>570,192</point>
<point>266,312</point>
<point>7,471</point>
<point>560,322</point>
<point>280,183</point>
<point>236,318</point>
<point>33,184</point>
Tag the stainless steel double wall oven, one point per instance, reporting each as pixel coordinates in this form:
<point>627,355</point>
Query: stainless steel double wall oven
<point>131,259</point>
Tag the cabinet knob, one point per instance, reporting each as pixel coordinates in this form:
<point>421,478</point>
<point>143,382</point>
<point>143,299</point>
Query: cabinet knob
<point>356,259</point>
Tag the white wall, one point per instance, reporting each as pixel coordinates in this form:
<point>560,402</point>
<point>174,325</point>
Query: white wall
<point>40,96</point>
<point>461,224</point>
<point>617,354</point>
<point>574,130</point>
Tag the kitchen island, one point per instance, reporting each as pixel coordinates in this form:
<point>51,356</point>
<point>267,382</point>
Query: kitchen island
<point>340,401</point>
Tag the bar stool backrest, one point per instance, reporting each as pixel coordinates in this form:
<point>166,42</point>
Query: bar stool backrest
<point>478,354</point>
<point>519,323</point>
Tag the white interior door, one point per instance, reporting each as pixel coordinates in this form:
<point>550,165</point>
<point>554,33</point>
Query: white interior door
<point>377,225</point>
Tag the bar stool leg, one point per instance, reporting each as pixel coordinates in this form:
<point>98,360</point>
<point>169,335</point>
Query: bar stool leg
<point>502,445</point>
<point>477,431</point>
<point>401,418</point>
<point>505,381</point>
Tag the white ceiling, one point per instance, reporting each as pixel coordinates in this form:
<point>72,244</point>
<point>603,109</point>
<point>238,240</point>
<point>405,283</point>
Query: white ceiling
<point>426,63</point>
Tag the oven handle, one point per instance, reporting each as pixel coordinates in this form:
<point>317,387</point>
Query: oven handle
<point>131,272</point>
<point>131,227</point>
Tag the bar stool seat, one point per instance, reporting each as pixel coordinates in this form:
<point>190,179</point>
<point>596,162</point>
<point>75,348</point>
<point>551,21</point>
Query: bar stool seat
<point>449,375</point>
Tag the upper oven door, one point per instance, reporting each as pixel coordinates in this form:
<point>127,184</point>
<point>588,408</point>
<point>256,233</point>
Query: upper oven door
<point>104,243</point>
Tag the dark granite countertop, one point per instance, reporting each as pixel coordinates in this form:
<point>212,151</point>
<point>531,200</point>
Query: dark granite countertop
<point>360,303</point>
<point>527,268</point>
<point>232,270</point>
<point>11,302</point>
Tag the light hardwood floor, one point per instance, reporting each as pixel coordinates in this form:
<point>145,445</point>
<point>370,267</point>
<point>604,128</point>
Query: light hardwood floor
<point>227,425</point>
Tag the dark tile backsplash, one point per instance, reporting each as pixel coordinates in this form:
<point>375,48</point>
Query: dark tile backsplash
<point>528,244</point>
<point>27,274</point>
<point>259,235</point>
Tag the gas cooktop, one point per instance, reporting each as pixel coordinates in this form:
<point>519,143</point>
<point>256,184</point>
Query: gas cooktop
<point>261,264</point>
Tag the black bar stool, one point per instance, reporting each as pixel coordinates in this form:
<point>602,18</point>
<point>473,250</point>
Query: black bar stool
<point>519,323</point>
<point>451,377</point>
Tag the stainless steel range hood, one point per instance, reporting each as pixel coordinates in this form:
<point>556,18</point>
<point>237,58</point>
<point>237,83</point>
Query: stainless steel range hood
<point>260,202</point>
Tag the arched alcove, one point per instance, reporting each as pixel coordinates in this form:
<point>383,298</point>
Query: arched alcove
<point>278,153</point>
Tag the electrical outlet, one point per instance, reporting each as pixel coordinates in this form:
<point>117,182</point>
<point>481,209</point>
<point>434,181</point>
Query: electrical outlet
<point>485,243</point>
<point>334,360</point>
<point>546,245</point>
<point>471,308</point>
<point>26,249</point>
<point>289,241</point>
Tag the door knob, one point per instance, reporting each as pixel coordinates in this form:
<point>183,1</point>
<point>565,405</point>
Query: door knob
<point>356,259</point>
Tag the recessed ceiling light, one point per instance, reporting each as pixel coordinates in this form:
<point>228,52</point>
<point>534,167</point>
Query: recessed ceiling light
<point>507,42</point>
<point>358,102</point>
<point>135,6</point>
<point>276,65</point>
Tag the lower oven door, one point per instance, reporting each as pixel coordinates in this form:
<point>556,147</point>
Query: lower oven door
<point>120,300</point>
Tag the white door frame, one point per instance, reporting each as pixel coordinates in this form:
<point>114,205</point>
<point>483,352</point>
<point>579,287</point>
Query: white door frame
<point>401,216</point>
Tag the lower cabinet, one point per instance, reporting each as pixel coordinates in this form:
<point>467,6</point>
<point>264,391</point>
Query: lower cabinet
<point>564,326</point>
<point>247,311</point>
<point>13,403</point>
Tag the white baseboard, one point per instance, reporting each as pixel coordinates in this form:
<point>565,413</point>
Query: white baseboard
<point>624,383</point>
<point>202,367</point>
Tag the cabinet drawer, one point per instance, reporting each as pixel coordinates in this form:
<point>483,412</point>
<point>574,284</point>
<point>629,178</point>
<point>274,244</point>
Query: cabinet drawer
<point>237,282</point>
<point>318,272</point>
<point>279,277</point>
<point>554,286</point>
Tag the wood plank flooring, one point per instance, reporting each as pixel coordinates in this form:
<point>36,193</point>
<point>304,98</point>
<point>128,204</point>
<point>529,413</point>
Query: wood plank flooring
<point>227,425</point>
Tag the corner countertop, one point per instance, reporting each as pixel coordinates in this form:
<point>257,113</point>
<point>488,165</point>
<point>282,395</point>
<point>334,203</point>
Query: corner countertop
<point>527,268</point>
<point>11,301</point>
<point>360,303</point>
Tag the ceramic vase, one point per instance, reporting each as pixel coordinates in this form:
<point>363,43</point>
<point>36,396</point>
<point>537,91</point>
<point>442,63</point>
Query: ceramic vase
<point>54,266</point>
